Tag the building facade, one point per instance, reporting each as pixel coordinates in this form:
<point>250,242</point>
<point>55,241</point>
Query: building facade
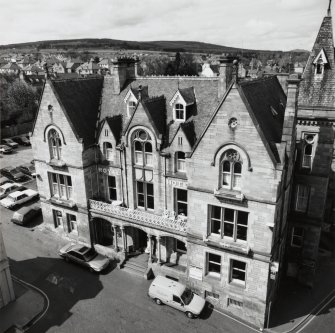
<point>187,177</point>
<point>313,200</point>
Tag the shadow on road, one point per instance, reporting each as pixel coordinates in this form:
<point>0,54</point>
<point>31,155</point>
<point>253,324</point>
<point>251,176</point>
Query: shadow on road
<point>207,311</point>
<point>65,284</point>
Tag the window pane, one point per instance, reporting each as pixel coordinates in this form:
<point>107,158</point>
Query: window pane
<point>239,264</point>
<point>182,195</point>
<point>216,212</point>
<point>226,166</point>
<point>226,179</point>
<point>308,150</point>
<point>214,257</point>
<point>138,146</point>
<point>148,147</point>
<point>215,268</point>
<point>148,158</point>
<point>112,194</point>
<point>138,157</point>
<point>228,230</point>
<point>242,218</point>
<point>150,189</point>
<point>182,208</point>
<point>62,179</point>
<point>215,227</point>
<point>54,178</point>
<point>237,167</point>
<point>242,232</point>
<point>180,155</point>
<point>181,165</point>
<point>111,181</point>
<point>229,215</point>
<point>69,181</point>
<point>237,182</point>
<point>150,202</point>
<point>140,187</point>
<point>140,200</point>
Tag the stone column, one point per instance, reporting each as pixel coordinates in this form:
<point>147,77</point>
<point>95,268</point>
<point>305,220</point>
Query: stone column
<point>124,240</point>
<point>159,249</point>
<point>115,237</point>
<point>149,248</point>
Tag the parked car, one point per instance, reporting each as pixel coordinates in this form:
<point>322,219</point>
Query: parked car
<point>4,180</point>
<point>17,198</point>
<point>7,188</point>
<point>14,174</point>
<point>28,169</point>
<point>176,295</point>
<point>84,256</point>
<point>25,214</point>
<point>4,149</point>
<point>22,140</point>
<point>10,143</point>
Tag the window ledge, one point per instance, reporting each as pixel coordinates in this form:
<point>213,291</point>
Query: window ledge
<point>62,202</point>
<point>237,283</point>
<point>241,247</point>
<point>178,175</point>
<point>212,277</point>
<point>229,194</point>
<point>57,163</point>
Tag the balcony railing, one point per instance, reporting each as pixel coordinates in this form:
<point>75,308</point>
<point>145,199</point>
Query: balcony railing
<point>167,221</point>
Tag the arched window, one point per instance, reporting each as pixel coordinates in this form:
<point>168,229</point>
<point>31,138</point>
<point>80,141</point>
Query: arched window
<point>108,151</point>
<point>308,150</point>
<point>143,148</point>
<point>55,144</point>
<point>180,161</point>
<point>180,111</point>
<point>231,170</point>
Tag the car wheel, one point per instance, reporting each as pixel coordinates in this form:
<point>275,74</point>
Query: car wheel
<point>158,301</point>
<point>189,314</point>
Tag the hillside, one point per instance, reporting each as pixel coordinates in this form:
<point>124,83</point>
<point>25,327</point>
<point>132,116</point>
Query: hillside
<point>167,46</point>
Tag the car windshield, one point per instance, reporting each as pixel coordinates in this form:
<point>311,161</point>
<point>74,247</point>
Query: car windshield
<point>187,296</point>
<point>89,255</point>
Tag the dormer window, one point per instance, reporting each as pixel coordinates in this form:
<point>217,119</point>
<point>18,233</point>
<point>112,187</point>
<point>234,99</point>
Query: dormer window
<point>320,62</point>
<point>180,112</point>
<point>108,151</point>
<point>131,107</point>
<point>180,161</point>
<point>309,145</point>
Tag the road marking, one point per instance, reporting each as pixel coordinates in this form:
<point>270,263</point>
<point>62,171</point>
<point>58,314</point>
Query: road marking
<point>40,291</point>
<point>313,316</point>
<point>240,322</point>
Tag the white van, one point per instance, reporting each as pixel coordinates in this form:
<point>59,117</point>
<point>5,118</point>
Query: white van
<point>175,294</point>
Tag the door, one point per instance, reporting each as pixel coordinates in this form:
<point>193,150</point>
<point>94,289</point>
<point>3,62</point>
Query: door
<point>177,303</point>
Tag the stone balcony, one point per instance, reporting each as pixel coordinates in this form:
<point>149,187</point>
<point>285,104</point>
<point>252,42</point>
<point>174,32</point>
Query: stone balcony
<point>167,222</point>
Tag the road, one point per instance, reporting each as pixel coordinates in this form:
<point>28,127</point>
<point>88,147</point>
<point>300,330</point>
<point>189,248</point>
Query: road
<point>80,301</point>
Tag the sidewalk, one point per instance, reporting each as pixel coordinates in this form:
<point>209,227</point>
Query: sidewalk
<point>28,305</point>
<point>296,304</point>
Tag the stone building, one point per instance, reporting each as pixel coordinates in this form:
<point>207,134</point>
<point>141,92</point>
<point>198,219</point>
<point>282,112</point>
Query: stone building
<point>6,285</point>
<point>187,177</point>
<point>313,200</point>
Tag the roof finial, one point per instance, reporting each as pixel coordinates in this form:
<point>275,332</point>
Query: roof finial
<point>329,12</point>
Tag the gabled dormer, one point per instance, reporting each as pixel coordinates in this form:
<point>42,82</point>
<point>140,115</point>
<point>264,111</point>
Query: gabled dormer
<point>133,96</point>
<point>320,62</point>
<point>181,100</point>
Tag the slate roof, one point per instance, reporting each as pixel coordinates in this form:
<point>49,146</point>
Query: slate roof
<point>188,95</point>
<point>266,101</point>
<point>320,92</point>
<point>205,89</point>
<point>80,99</point>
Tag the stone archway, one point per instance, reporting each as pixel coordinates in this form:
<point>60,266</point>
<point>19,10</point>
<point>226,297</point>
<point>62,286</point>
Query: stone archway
<point>103,232</point>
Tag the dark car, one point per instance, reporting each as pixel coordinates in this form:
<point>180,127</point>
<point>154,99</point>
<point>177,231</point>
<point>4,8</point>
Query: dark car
<point>22,140</point>
<point>26,214</point>
<point>84,256</point>
<point>14,174</point>
<point>28,169</point>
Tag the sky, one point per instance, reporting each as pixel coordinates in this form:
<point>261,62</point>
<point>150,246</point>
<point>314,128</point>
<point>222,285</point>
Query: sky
<point>252,24</point>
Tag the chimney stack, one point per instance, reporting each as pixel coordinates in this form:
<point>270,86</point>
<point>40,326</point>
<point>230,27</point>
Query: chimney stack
<point>225,74</point>
<point>123,69</point>
<point>290,117</point>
